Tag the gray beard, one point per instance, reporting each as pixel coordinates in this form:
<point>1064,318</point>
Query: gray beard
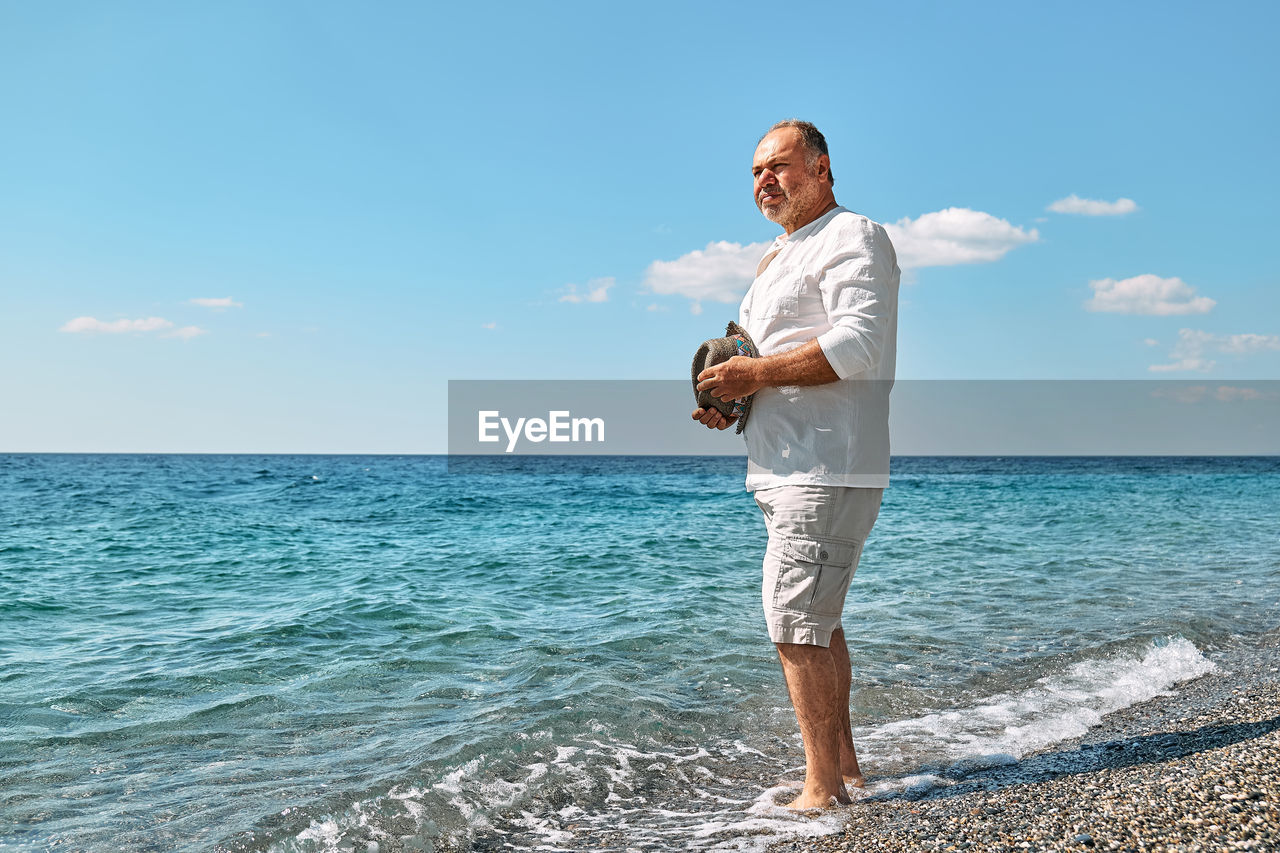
<point>787,213</point>
<point>778,213</point>
<point>783,214</point>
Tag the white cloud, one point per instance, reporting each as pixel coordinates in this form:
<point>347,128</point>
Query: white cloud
<point>597,290</point>
<point>1151,342</point>
<point>115,327</point>
<point>721,272</point>
<point>1182,393</point>
<point>186,333</point>
<point>653,306</point>
<point>1223,393</point>
<point>118,327</point>
<point>488,325</point>
<point>1232,394</point>
<point>953,236</point>
<point>1147,294</point>
<point>215,302</point>
<point>1090,207</point>
<point>1189,352</point>
<point>1248,343</point>
<point>1186,364</point>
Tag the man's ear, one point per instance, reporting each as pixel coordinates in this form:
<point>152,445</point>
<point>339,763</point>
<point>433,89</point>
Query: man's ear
<point>824,167</point>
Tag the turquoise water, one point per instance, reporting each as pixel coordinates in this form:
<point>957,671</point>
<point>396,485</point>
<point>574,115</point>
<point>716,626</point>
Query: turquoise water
<point>284,653</point>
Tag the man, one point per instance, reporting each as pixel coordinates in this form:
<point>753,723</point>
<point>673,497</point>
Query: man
<point>823,311</point>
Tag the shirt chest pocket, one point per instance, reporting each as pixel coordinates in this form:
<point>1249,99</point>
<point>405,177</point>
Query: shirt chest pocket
<point>779,294</point>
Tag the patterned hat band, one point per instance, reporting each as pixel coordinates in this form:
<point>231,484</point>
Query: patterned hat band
<point>740,404</point>
<point>736,342</point>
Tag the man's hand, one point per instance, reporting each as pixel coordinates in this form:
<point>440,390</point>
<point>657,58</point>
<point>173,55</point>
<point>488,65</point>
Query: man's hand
<point>713,419</point>
<point>741,376</point>
<point>729,380</point>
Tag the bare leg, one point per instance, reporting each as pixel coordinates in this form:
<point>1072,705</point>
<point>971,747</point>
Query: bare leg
<point>844,675</point>
<point>814,685</point>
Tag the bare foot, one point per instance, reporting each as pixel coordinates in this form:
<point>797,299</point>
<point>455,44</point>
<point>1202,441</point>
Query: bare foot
<point>808,801</point>
<point>806,804</point>
<point>849,768</point>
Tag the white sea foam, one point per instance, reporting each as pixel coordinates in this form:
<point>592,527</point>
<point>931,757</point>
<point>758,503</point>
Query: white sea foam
<point>1007,726</point>
<point>702,798</point>
<point>765,822</point>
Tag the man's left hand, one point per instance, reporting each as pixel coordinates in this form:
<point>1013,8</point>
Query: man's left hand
<point>729,380</point>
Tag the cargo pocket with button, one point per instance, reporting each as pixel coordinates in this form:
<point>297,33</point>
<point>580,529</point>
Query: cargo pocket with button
<point>814,575</point>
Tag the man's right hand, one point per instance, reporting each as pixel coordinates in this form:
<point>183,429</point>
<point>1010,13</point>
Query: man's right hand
<point>712,418</point>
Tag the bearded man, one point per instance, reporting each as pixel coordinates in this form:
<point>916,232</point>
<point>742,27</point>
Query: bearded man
<point>823,312</point>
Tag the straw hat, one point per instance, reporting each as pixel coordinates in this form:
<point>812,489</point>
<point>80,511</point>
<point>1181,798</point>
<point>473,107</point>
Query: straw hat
<point>714,351</point>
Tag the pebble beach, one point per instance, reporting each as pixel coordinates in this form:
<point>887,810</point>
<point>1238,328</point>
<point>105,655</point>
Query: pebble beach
<point>1195,770</point>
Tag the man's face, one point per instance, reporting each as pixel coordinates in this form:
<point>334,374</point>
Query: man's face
<point>786,189</point>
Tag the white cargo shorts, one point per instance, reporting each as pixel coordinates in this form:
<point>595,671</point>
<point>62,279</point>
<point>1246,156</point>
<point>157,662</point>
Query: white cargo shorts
<point>816,534</point>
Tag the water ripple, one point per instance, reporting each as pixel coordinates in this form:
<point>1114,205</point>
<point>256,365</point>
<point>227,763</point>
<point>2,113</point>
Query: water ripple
<point>289,653</point>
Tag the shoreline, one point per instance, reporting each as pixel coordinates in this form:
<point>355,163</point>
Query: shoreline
<point>1195,770</point>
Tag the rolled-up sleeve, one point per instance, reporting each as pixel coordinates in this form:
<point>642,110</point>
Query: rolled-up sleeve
<point>859,290</point>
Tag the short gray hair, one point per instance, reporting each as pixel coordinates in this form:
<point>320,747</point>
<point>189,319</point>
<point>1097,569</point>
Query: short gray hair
<point>815,144</point>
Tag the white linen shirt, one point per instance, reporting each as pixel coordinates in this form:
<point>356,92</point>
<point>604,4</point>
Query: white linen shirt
<point>835,279</point>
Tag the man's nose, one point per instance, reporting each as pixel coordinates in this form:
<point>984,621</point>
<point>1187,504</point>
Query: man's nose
<point>765,178</point>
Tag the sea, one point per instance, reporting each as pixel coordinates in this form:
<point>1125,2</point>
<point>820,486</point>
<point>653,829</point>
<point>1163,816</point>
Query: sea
<point>386,653</point>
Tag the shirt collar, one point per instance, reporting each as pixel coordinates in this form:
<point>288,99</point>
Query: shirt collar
<point>805,230</point>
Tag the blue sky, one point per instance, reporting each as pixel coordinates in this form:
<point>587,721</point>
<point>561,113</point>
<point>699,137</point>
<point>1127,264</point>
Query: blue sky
<point>275,227</point>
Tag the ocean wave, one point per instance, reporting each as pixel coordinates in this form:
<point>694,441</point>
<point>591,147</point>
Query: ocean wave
<point>1005,727</point>
<point>600,792</point>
